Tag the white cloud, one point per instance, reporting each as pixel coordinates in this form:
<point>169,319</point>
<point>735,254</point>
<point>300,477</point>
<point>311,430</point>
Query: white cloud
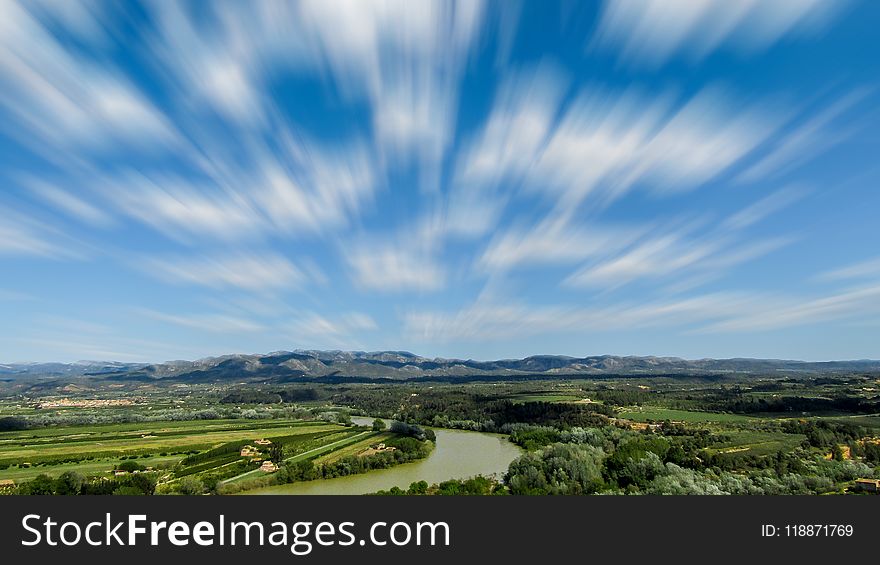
<point>803,142</point>
<point>856,303</point>
<point>724,312</point>
<point>554,240</point>
<point>178,209</point>
<point>490,320</point>
<point>656,257</point>
<point>686,250</point>
<point>608,142</point>
<point>761,209</point>
<point>69,203</point>
<point>215,323</point>
<point>407,57</point>
<point>315,188</point>
<point>21,235</point>
<point>651,32</point>
<point>522,116</point>
<point>255,272</point>
<point>350,323</point>
<point>861,270</point>
<point>67,104</point>
<point>341,332</point>
<point>389,267</point>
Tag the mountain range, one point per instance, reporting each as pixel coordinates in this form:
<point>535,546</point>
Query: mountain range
<point>304,365</point>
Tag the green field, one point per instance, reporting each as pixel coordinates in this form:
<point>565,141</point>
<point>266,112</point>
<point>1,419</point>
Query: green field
<point>97,449</point>
<point>92,467</point>
<point>362,443</point>
<point>757,443</point>
<point>328,446</point>
<point>656,413</point>
<point>869,421</point>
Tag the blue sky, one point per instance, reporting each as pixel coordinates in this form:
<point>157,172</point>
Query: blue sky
<point>694,178</point>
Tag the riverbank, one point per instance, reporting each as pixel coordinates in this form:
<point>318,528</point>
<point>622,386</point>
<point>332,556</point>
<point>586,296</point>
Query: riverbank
<point>457,454</point>
<point>364,452</point>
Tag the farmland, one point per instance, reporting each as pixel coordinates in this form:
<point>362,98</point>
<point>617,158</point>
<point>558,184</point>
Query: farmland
<point>658,414</point>
<point>180,456</point>
<point>656,434</point>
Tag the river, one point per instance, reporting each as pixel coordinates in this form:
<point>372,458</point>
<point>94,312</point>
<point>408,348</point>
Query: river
<point>457,455</point>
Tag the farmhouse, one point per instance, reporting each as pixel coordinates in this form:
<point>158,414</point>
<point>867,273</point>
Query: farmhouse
<point>268,467</point>
<point>263,442</point>
<point>868,485</point>
<point>249,451</point>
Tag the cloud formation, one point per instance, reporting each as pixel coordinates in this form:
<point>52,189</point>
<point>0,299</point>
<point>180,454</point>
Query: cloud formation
<point>650,32</point>
<point>452,169</point>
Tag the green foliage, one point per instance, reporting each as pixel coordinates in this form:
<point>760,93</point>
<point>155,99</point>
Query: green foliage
<point>474,486</point>
<point>130,466</point>
<point>636,461</point>
<point>69,483</point>
<point>558,469</point>
<point>190,486</point>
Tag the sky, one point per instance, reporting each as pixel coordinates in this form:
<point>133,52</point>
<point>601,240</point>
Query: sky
<point>458,179</point>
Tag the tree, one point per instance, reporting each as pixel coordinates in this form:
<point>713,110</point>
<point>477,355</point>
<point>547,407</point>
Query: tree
<point>144,482</point>
<point>41,484</point>
<point>418,487</point>
<point>128,491</point>
<point>69,483</point>
<point>378,425</point>
<point>276,453</point>
<point>130,466</point>
<point>191,486</point>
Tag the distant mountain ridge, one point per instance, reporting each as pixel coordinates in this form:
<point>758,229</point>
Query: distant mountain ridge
<point>290,366</point>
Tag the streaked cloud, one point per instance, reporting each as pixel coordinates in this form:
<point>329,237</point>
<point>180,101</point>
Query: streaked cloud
<point>488,320</point>
<point>608,142</point>
<point>62,101</point>
<point>651,32</point>
<point>23,235</point>
<point>291,171</point>
<point>861,270</point>
<point>249,272</point>
<point>856,303</point>
<point>390,267</point>
<point>214,323</point>
<point>554,240</point>
<point>69,203</point>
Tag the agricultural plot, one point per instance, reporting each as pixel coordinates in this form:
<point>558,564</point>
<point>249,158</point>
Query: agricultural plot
<point>747,442</point>
<point>656,413</point>
<point>312,450</point>
<point>95,467</point>
<point>91,448</point>
<point>363,444</point>
<point>868,421</point>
